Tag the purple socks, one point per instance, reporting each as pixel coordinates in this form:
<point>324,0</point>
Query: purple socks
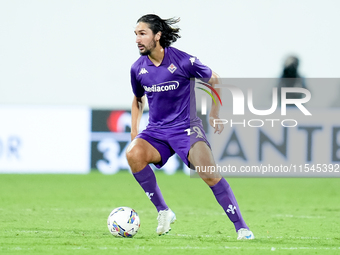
<point>147,180</point>
<point>222,191</point>
<point>225,197</point>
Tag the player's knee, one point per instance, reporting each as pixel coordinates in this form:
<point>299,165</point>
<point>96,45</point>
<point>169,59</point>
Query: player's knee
<point>135,154</point>
<point>211,181</point>
<point>210,178</point>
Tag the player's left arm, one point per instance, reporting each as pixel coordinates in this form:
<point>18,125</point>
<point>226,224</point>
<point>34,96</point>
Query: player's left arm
<point>196,69</point>
<point>215,108</point>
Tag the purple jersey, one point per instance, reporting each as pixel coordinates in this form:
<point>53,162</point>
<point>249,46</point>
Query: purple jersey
<point>168,88</point>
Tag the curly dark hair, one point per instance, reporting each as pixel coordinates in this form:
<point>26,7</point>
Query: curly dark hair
<point>156,24</point>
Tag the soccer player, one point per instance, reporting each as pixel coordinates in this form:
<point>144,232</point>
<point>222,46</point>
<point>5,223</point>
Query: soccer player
<point>162,74</point>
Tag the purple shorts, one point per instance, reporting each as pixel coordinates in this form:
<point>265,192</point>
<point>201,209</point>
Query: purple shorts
<point>178,139</point>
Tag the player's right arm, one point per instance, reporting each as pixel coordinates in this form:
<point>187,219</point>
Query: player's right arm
<point>136,114</point>
<point>138,101</point>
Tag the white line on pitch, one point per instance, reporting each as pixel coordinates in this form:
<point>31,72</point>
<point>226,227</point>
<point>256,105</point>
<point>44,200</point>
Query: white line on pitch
<point>299,216</point>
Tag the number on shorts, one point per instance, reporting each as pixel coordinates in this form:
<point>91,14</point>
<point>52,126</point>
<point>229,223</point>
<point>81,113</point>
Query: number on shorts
<point>196,130</point>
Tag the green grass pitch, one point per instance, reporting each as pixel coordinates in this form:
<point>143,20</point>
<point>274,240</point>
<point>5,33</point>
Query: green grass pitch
<point>66,214</point>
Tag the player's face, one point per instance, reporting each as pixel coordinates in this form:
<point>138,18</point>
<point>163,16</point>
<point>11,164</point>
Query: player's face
<point>145,39</point>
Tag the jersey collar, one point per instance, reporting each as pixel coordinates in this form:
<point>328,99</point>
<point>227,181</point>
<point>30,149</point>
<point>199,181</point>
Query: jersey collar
<point>166,60</point>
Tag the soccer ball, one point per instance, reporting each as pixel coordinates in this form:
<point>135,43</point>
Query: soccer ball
<point>123,222</point>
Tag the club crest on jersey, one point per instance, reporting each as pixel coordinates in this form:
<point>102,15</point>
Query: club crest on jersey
<point>172,68</point>
<point>143,71</point>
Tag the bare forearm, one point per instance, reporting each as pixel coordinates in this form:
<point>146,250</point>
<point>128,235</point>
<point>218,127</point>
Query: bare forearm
<point>136,114</point>
<point>215,108</point>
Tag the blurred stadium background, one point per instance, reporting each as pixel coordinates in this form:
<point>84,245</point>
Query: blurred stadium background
<point>65,93</point>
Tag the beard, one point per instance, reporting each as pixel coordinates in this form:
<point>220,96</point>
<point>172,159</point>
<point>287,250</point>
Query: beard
<point>148,49</point>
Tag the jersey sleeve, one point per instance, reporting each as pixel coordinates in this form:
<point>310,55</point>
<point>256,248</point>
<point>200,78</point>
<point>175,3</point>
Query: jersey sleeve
<point>195,69</point>
<point>137,88</point>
